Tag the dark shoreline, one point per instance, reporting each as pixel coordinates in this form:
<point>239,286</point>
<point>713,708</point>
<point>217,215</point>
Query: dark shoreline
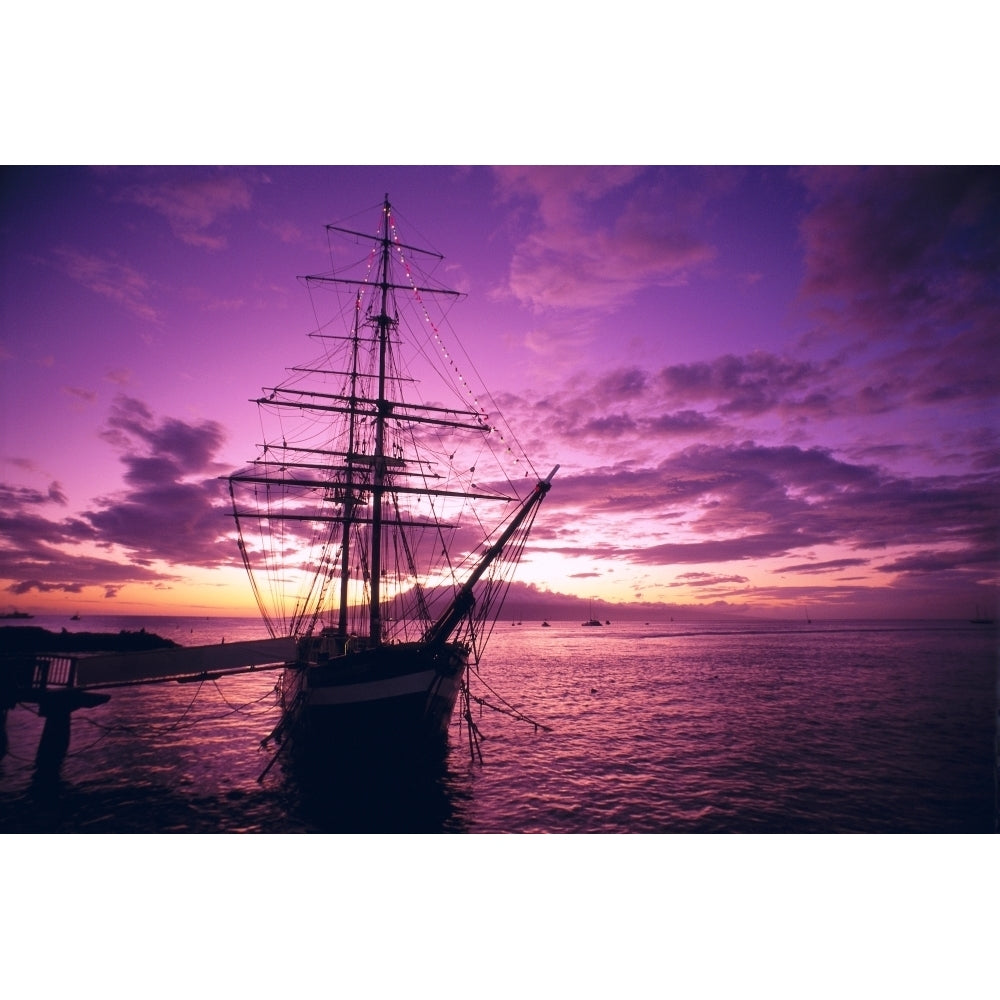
<point>22,640</point>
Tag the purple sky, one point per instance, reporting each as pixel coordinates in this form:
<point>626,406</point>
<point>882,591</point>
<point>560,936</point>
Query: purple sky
<point>770,390</point>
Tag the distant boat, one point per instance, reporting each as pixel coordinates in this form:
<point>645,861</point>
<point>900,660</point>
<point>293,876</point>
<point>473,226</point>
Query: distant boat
<point>546,625</point>
<point>592,622</point>
<point>981,619</point>
<point>343,515</point>
<point>16,614</point>
<point>75,618</point>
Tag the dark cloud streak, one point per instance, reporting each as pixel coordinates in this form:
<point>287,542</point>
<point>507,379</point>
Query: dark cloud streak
<point>170,511</point>
<point>903,249</point>
<point>751,502</point>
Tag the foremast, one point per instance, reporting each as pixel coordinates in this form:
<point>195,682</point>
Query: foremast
<point>350,499</point>
<point>384,322</point>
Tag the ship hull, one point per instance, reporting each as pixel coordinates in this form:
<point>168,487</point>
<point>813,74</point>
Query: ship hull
<point>384,703</point>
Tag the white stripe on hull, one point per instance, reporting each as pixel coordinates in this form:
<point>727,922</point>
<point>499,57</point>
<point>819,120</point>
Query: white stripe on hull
<point>390,687</point>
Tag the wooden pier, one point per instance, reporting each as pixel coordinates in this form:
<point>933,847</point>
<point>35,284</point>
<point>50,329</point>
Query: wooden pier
<point>61,683</point>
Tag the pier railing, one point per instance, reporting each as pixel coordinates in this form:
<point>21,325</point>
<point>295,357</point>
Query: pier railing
<point>53,671</point>
<point>60,684</point>
<point>42,677</point>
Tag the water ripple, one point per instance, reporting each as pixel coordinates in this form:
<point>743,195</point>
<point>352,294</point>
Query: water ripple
<point>864,728</point>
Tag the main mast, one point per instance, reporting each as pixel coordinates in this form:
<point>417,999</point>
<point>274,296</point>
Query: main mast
<point>382,406</point>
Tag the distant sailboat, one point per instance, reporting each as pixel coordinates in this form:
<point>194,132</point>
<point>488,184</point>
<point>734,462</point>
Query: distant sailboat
<point>592,622</point>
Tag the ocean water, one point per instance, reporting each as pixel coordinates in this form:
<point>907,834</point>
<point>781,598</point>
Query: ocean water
<point>666,727</point>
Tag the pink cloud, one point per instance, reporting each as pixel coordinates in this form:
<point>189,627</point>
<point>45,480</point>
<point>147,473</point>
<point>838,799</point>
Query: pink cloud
<point>287,232</point>
<point>116,281</point>
<point>192,205</point>
<point>86,395</point>
<point>581,253</point>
